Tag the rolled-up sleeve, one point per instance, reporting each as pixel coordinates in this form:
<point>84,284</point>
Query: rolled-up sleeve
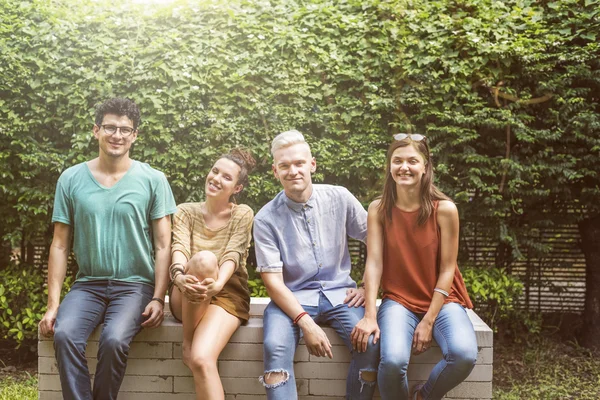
<point>266,247</point>
<point>182,232</point>
<point>240,240</point>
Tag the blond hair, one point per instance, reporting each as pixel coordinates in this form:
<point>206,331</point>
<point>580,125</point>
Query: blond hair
<point>286,139</point>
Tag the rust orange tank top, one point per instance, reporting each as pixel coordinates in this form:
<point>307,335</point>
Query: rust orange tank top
<point>411,261</point>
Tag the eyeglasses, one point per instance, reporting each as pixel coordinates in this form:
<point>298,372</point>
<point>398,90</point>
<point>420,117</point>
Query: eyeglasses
<point>415,137</point>
<point>111,130</point>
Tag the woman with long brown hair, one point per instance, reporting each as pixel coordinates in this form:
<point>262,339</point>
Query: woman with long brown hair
<point>412,249</point>
<point>209,291</point>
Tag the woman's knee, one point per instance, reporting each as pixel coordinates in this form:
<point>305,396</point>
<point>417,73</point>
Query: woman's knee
<point>396,364</point>
<point>203,264</point>
<point>465,358</point>
<point>202,365</point>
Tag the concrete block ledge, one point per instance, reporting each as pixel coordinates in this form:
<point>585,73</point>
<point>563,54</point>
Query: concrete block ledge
<point>155,370</point>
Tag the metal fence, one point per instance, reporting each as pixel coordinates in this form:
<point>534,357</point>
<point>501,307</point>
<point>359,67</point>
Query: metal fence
<point>553,283</point>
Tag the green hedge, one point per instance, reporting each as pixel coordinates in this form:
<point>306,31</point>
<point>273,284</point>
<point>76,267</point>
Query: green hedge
<point>23,302</point>
<point>495,295</point>
<point>506,91</point>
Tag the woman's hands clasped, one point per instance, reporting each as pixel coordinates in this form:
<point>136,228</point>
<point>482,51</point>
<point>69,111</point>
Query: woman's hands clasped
<point>212,287</point>
<point>196,291</point>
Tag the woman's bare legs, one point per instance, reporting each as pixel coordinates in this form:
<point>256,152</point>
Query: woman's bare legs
<point>211,336</point>
<point>206,330</point>
<point>202,265</point>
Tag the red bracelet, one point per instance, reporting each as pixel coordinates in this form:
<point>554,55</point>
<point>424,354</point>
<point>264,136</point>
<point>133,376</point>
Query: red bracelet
<point>302,314</point>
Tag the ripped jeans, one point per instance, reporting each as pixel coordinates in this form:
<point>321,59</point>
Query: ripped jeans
<point>281,338</point>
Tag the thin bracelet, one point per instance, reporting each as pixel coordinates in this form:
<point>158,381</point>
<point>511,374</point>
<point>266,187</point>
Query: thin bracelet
<point>441,291</point>
<point>176,263</point>
<point>176,274</point>
<point>297,319</point>
<point>161,301</point>
<point>173,273</point>
<point>173,268</point>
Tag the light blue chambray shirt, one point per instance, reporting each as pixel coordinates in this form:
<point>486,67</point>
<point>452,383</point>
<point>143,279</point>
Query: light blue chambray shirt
<point>309,242</point>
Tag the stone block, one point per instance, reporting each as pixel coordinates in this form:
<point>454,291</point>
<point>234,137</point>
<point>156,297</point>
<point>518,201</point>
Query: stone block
<point>155,370</point>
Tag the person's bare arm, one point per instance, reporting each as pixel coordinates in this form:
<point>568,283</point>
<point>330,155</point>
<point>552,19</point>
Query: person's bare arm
<point>315,338</point>
<point>161,230</point>
<point>373,270</point>
<point>447,218</point>
<point>188,285</point>
<point>57,270</point>
<point>213,287</point>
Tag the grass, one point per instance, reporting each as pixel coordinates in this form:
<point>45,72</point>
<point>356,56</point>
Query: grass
<point>18,386</point>
<point>545,368</point>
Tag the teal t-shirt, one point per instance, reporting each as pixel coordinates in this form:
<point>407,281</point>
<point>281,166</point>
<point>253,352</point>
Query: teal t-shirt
<point>112,227</point>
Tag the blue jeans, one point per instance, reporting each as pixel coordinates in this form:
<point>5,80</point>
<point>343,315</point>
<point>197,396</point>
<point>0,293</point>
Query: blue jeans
<point>452,331</point>
<point>281,338</point>
<point>119,306</point>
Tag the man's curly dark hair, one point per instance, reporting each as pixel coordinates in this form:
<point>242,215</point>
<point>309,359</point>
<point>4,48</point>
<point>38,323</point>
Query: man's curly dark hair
<point>119,106</point>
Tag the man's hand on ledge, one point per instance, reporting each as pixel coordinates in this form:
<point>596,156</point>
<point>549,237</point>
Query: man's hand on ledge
<point>154,313</point>
<point>46,325</point>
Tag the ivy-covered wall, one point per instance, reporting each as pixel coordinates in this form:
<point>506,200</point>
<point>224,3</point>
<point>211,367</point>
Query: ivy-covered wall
<point>507,93</point>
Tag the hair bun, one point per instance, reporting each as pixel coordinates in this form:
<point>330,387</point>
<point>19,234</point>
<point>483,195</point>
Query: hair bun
<point>245,157</point>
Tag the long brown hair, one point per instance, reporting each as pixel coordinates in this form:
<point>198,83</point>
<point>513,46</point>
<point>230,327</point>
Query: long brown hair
<point>428,193</point>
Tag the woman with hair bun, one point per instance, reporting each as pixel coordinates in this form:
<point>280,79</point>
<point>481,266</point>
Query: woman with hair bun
<point>209,281</point>
<point>412,247</point>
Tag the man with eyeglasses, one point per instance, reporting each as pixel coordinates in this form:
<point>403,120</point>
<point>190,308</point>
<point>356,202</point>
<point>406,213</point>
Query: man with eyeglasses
<point>118,210</point>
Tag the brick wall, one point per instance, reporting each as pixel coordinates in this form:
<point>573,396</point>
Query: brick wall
<point>155,370</point>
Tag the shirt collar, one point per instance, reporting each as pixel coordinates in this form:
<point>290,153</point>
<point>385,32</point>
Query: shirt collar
<point>299,206</point>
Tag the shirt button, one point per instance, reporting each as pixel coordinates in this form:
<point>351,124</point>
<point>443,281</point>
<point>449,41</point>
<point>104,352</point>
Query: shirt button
<point>323,284</point>
<point>320,265</point>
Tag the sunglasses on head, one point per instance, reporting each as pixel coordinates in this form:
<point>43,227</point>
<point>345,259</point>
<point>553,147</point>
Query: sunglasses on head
<point>415,137</point>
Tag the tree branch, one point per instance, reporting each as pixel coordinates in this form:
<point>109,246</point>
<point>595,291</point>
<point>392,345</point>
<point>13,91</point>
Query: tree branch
<point>497,93</point>
<point>506,157</point>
